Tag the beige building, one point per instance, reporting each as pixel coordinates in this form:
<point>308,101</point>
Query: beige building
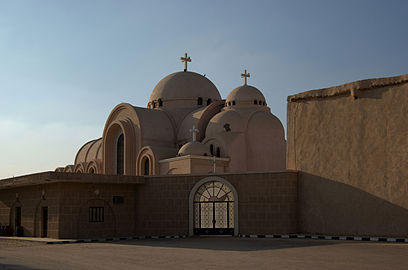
<point>192,163</point>
<point>187,128</point>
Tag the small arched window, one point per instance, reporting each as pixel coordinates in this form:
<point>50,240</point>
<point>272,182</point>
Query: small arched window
<point>160,102</point>
<point>120,154</point>
<point>212,150</point>
<point>200,101</point>
<point>154,104</point>
<point>91,171</point>
<point>229,103</point>
<point>233,102</point>
<point>209,101</point>
<point>260,102</point>
<point>255,102</point>
<point>146,167</point>
<point>218,152</point>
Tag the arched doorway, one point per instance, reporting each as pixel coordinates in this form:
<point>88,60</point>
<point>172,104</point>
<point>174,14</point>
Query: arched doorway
<point>213,208</point>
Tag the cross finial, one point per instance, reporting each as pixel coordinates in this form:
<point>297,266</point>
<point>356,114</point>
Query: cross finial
<point>195,131</point>
<point>185,59</point>
<point>245,75</point>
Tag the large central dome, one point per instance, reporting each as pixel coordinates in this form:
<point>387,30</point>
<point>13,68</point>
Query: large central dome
<point>184,85</point>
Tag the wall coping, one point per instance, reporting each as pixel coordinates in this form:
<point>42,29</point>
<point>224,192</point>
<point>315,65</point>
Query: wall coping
<point>224,174</point>
<point>85,178</point>
<point>58,177</point>
<point>349,88</point>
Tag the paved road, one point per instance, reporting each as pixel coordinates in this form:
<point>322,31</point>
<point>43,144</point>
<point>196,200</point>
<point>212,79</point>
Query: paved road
<point>204,253</point>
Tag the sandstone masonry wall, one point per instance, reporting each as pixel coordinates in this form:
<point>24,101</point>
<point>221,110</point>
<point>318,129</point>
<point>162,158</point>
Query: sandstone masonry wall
<point>267,203</point>
<point>350,143</point>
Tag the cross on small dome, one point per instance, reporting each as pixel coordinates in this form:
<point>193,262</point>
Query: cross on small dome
<point>245,75</point>
<point>195,131</point>
<point>185,59</point>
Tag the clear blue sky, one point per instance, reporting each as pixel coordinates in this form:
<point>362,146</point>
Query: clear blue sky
<point>64,65</point>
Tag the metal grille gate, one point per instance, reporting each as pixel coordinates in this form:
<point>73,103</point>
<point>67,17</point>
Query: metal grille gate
<point>214,210</point>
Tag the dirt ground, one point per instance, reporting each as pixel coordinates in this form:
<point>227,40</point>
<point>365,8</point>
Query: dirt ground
<point>204,253</point>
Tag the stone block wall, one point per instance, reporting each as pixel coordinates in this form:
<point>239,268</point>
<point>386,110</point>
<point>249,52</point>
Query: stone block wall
<point>31,201</point>
<point>266,203</point>
<point>350,143</point>
<point>153,205</point>
<point>77,198</point>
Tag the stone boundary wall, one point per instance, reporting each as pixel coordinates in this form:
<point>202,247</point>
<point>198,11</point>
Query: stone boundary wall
<point>350,144</point>
<point>267,203</point>
<point>151,205</point>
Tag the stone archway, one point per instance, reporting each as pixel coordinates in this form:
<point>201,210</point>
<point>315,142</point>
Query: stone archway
<point>213,207</point>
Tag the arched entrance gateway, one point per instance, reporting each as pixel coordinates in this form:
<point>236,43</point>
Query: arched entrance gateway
<point>213,208</point>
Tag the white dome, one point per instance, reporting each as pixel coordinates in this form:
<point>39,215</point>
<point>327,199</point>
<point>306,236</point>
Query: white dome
<point>245,95</point>
<point>184,85</point>
<point>193,148</point>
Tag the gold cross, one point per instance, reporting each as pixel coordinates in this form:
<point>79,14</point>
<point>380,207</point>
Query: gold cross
<point>185,59</point>
<point>245,75</point>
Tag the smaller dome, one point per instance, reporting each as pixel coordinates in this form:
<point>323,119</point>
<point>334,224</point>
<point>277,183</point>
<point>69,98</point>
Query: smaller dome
<point>245,95</point>
<point>193,148</point>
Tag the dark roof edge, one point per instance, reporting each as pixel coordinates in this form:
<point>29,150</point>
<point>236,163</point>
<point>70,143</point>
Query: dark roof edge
<point>57,177</point>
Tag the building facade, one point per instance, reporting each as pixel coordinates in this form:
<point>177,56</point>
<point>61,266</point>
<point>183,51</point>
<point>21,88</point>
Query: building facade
<point>68,205</point>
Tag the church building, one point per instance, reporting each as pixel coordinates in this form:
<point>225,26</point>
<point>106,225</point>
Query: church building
<point>187,128</point>
<point>192,163</point>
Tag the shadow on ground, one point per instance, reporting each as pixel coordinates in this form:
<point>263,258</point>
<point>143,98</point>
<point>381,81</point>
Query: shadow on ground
<point>228,243</point>
<point>15,267</point>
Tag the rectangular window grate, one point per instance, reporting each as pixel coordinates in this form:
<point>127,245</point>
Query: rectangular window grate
<point>96,214</point>
<point>118,199</point>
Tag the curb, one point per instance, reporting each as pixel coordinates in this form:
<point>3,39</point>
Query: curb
<point>110,239</point>
<point>326,237</point>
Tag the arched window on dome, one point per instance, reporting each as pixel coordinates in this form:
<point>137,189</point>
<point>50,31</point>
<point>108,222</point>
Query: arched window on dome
<point>200,101</point>
<point>146,166</point>
<point>154,104</point>
<point>260,102</point>
<point>91,170</point>
<point>160,102</point>
<point>212,150</point>
<point>120,154</point>
<point>229,103</point>
<point>209,101</point>
<point>218,152</point>
<point>233,102</point>
<point>255,102</point>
